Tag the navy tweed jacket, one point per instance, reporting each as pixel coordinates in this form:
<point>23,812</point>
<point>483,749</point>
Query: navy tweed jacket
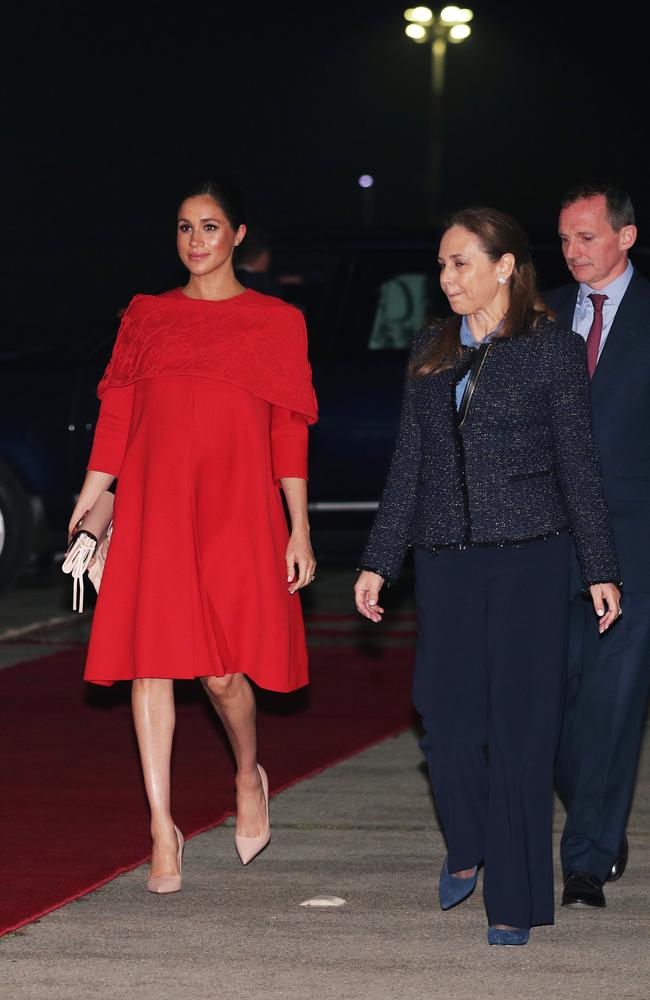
<point>522,466</point>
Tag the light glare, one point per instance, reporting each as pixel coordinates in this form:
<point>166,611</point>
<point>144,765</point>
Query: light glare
<point>450,15</point>
<point>419,15</point>
<point>416,32</point>
<point>366,181</point>
<point>459,32</point>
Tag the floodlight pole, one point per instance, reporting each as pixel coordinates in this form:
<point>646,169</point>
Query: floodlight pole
<point>438,54</point>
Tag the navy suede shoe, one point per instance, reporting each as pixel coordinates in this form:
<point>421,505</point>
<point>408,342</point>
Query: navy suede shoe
<point>453,890</point>
<point>515,935</point>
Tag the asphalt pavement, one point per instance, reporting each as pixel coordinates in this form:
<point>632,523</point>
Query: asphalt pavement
<point>364,831</point>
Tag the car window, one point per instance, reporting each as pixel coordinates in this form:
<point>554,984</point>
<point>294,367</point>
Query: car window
<point>383,296</point>
<point>307,279</point>
<point>402,308</point>
<point>369,296</point>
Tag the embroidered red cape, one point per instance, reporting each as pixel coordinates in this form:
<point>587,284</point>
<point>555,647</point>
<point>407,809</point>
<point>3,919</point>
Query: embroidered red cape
<point>254,341</point>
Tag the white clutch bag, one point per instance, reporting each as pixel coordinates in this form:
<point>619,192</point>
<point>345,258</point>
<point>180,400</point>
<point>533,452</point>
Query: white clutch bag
<point>88,548</point>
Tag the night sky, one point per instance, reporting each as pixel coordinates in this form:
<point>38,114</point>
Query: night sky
<point>111,110</point>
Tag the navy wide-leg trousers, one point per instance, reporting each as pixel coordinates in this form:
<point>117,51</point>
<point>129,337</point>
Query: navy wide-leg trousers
<point>488,683</point>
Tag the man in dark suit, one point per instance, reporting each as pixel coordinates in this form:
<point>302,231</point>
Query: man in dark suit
<point>609,675</point>
<point>253,263</point>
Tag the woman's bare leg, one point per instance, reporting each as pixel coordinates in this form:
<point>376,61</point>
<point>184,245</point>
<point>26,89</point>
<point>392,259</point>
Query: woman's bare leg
<point>154,717</point>
<point>234,702</point>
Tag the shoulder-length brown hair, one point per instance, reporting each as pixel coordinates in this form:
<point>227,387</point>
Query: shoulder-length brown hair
<point>498,233</point>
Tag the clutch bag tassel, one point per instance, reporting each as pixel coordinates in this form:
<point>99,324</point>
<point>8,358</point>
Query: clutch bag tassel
<point>88,548</point>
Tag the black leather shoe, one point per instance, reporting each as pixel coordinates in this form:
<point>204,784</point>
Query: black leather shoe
<point>582,889</point>
<point>620,862</point>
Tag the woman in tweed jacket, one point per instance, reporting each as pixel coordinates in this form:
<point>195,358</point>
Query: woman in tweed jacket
<point>494,468</point>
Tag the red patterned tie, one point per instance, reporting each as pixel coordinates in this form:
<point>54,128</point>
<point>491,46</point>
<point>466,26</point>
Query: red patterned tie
<point>595,332</point>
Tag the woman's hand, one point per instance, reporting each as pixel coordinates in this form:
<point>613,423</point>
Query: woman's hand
<point>80,509</point>
<point>300,554</point>
<point>93,486</point>
<point>607,603</point>
<point>366,595</point>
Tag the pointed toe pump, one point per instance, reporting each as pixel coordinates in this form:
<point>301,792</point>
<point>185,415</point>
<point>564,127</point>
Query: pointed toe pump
<point>161,884</point>
<point>249,847</point>
<point>507,935</point>
<point>452,889</point>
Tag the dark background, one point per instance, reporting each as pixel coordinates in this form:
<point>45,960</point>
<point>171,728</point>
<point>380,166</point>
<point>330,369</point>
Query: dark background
<point>111,110</point>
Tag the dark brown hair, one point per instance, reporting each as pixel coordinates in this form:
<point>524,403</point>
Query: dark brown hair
<point>498,233</point>
<point>620,210</point>
<point>226,194</point>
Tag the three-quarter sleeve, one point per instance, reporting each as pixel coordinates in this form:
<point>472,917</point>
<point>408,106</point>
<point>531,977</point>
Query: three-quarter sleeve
<point>112,430</point>
<point>289,439</point>
<point>578,463</point>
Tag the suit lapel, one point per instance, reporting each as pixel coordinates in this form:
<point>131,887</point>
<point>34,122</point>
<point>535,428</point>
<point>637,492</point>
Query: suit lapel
<point>563,304</point>
<point>566,309</point>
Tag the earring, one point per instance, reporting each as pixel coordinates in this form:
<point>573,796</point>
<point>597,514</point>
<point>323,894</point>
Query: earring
<point>501,279</point>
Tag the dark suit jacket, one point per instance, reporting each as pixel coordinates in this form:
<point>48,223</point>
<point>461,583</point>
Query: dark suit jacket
<point>523,465</point>
<point>259,281</point>
<point>620,392</point>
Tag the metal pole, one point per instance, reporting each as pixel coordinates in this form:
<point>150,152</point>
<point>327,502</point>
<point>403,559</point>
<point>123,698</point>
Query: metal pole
<point>438,52</point>
<point>367,205</point>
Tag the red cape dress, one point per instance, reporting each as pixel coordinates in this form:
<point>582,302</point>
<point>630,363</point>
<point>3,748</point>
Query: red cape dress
<point>205,407</point>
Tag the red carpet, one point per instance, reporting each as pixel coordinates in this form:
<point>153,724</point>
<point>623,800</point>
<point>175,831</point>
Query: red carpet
<point>74,814</point>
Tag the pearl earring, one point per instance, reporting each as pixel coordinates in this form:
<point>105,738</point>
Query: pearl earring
<point>501,279</point>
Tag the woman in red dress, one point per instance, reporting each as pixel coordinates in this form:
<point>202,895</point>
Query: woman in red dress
<point>205,407</point>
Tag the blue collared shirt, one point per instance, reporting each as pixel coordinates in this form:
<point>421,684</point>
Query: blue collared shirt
<point>467,340</point>
<point>584,310</point>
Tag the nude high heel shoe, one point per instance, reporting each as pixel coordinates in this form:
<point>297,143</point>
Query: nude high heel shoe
<point>250,847</point>
<point>169,883</point>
